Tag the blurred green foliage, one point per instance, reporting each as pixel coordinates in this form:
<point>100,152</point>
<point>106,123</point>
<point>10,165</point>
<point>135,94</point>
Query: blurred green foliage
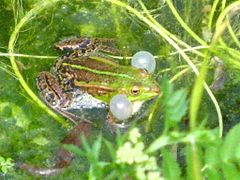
<point>28,134</point>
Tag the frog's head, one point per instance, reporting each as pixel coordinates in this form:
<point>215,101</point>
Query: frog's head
<point>142,88</point>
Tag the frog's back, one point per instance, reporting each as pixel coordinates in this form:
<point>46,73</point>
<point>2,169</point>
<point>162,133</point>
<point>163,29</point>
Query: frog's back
<point>92,69</point>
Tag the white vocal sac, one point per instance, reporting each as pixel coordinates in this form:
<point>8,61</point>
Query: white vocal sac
<point>144,60</point>
<point>121,107</point>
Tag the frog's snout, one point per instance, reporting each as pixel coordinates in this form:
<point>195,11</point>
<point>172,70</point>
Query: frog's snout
<point>155,89</point>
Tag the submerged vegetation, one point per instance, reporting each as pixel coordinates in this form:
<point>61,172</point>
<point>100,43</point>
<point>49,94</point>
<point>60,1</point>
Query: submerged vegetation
<point>190,131</point>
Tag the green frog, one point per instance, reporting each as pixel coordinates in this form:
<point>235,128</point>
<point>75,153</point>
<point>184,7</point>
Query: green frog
<point>85,79</point>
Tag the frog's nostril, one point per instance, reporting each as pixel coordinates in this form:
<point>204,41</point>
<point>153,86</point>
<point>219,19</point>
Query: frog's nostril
<point>155,89</point>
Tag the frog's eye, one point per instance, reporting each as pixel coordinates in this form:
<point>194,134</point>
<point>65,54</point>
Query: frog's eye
<point>135,90</point>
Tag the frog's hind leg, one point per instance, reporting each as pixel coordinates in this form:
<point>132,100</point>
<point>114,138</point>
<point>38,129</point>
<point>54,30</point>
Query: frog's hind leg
<point>64,157</point>
<point>86,46</point>
<point>114,126</point>
<point>54,96</point>
<point>50,90</point>
<point>72,44</point>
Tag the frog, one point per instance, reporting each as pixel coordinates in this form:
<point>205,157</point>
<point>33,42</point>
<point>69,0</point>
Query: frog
<point>85,78</point>
<point>84,74</point>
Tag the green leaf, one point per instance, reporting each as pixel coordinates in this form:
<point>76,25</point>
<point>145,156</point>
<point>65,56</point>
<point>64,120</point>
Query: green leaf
<point>110,148</point>
<point>40,140</point>
<point>17,114</point>
<point>213,161</point>
<point>97,146</point>
<point>21,118</point>
<point>231,145</point>
<point>1,159</point>
<point>171,170</point>
<point>175,104</point>
<point>6,164</point>
<point>159,143</point>
<point>231,171</point>
<point>212,156</point>
<point>85,143</point>
<point>4,169</point>
<point>214,174</point>
<point>74,149</point>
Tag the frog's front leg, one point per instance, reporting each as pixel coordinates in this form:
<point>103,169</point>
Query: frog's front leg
<point>113,124</point>
<point>64,157</point>
<point>86,46</point>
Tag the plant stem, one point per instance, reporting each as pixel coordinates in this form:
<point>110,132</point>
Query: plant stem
<point>27,56</point>
<point>232,34</point>
<point>197,93</point>
<point>213,10</point>
<point>180,42</point>
<point>184,25</point>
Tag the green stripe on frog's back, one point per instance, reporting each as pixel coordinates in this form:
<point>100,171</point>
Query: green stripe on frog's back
<point>104,60</point>
<point>97,69</point>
